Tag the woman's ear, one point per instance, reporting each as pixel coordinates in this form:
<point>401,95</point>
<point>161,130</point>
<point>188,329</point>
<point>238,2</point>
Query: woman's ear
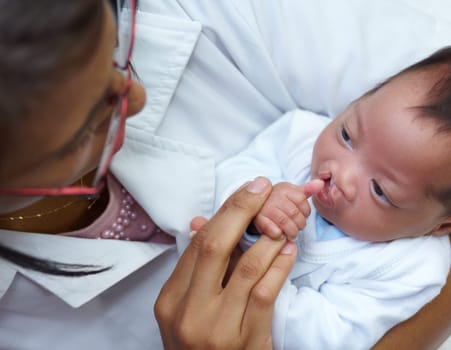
<point>444,228</point>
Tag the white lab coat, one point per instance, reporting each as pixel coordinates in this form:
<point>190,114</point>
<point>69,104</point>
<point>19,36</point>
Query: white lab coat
<point>209,93</point>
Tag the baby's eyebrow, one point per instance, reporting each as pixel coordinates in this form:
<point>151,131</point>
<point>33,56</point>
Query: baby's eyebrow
<point>359,121</point>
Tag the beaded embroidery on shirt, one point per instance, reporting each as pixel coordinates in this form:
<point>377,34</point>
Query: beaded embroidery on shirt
<point>123,219</point>
<point>130,222</point>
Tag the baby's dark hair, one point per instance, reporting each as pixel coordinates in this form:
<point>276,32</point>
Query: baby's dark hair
<point>437,105</point>
<point>438,100</point>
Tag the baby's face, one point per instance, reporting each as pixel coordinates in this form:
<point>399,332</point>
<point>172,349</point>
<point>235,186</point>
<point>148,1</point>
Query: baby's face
<point>379,163</point>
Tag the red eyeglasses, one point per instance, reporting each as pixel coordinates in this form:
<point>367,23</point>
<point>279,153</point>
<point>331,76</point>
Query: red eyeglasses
<point>126,22</point>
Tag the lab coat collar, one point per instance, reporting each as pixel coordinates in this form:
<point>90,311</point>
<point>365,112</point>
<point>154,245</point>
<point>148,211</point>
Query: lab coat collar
<point>123,258</point>
<point>163,48</point>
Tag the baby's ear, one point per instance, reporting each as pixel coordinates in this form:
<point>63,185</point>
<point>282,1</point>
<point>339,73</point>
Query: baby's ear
<point>444,228</point>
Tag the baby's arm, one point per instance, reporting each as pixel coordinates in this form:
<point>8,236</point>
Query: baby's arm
<point>286,210</point>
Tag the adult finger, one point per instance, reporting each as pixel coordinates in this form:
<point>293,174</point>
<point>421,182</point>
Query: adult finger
<point>197,222</point>
<point>251,267</point>
<point>180,279</point>
<point>195,225</point>
<point>221,234</point>
<point>260,308</point>
<point>174,290</point>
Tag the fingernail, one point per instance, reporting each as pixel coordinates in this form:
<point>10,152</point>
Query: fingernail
<point>192,233</point>
<point>244,185</point>
<point>288,249</point>
<point>257,186</point>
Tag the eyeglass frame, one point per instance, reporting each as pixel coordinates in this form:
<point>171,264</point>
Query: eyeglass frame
<point>107,156</point>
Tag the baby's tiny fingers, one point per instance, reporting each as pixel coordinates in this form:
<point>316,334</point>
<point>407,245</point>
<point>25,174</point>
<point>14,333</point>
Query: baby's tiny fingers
<point>304,208</point>
<point>300,221</point>
<point>312,187</point>
<point>267,227</point>
<point>285,223</point>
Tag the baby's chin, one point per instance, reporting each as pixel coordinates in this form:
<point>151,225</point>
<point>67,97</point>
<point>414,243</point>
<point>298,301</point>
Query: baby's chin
<point>324,212</point>
<point>328,215</point>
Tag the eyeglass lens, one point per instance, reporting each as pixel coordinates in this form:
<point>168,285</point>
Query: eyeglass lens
<point>125,22</point>
<point>121,58</point>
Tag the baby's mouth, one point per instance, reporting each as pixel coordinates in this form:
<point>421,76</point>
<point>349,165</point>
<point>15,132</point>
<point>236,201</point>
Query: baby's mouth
<point>324,196</point>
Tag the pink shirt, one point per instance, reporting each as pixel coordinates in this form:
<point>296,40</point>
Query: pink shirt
<point>123,219</point>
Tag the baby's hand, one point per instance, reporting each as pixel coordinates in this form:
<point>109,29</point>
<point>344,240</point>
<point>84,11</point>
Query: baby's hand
<point>286,210</point>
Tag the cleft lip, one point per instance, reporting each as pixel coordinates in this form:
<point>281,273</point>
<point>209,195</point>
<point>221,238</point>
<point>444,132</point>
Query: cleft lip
<point>325,195</point>
<point>325,176</point>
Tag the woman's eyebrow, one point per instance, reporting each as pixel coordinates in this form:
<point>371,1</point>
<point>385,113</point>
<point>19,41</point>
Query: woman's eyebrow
<point>65,148</point>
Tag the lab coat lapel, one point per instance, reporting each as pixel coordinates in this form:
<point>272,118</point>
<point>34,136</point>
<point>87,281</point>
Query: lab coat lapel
<point>163,47</point>
<point>173,181</point>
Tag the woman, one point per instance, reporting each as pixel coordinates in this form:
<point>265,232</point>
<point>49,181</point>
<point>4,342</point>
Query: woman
<point>57,65</point>
<point>63,52</point>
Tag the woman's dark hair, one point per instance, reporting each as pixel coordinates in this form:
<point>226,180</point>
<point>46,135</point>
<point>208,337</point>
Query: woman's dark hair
<point>42,43</point>
<point>49,266</point>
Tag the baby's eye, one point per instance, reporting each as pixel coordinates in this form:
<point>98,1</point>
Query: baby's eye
<point>345,136</point>
<point>378,192</point>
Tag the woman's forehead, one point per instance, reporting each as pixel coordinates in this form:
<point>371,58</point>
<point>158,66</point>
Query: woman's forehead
<point>56,117</point>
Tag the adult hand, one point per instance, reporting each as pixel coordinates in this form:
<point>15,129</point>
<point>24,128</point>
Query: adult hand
<point>196,311</point>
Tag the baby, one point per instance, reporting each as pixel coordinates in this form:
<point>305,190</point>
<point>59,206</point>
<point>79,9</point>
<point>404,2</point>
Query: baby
<point>373,247</point>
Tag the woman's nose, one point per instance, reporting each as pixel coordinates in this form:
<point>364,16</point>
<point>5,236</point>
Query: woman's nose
<point>133,91</point>
<point>136,98</point>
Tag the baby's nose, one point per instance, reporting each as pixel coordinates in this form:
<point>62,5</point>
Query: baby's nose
<point>346,180</point>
